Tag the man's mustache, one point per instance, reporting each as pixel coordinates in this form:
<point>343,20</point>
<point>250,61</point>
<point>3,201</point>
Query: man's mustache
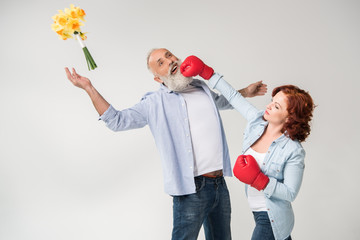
<point>178,63</point>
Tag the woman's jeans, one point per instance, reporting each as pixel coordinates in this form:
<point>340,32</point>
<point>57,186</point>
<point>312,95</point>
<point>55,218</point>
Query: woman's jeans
<point>263,230</point>
<point>209,206</point>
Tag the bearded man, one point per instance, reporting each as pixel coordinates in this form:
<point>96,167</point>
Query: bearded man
<point>184,120</point>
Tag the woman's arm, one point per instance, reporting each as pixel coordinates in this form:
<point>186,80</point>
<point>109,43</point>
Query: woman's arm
<point>233,96</point>
<point>293,175</point>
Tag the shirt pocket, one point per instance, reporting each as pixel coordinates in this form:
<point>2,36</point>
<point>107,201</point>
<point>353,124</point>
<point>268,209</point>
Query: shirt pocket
<point>276,170</point>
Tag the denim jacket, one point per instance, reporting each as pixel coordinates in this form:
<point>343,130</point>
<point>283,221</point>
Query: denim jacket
<point>283,163</point>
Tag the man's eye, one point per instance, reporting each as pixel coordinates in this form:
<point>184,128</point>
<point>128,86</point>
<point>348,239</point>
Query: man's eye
<point>160,63</point>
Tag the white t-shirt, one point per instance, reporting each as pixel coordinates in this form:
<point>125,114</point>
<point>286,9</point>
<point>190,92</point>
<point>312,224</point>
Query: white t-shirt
<point>256,198</point>
<point>205,131</point>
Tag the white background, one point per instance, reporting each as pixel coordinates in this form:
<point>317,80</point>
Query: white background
<point>64,175</point>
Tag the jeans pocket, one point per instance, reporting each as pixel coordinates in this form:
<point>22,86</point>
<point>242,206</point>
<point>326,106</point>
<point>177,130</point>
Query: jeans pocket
<point>199,183</point>
<point>225,185</point>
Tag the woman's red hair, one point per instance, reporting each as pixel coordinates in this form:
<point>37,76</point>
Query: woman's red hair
<point>300,108</point>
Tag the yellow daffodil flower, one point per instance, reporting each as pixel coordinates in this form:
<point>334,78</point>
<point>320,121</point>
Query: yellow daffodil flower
<point>67,25</point>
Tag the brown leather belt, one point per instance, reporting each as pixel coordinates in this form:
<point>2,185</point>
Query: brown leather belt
<point>214,174</point>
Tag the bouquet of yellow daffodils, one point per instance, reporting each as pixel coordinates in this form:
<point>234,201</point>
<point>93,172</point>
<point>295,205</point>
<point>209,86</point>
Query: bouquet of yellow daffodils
<point>67,23</point>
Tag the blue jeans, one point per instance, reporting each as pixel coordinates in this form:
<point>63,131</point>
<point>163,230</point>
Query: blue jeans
<point>209,206</point>
<point>263,230</point>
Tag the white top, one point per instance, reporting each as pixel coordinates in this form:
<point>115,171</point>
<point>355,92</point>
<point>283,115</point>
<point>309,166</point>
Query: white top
<point>256,198</point>
<point>205,131</point>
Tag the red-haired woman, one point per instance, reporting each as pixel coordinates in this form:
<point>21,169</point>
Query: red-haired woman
<point>272,163</point>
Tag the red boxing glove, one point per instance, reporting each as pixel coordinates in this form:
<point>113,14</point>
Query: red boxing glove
<point>193,66</point>
<point>248,171</point>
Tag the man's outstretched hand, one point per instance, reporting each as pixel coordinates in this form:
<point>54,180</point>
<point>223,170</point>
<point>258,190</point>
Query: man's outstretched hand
<point>98,101</point>
<point>78,80</point>
<point>254,89</point>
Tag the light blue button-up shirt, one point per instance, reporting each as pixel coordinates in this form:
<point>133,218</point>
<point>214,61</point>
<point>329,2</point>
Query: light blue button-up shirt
<point>283,163</point>
<point>166,114</point>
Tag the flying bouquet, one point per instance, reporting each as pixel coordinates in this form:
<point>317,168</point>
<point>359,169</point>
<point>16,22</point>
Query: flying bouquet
<point>67,24</point>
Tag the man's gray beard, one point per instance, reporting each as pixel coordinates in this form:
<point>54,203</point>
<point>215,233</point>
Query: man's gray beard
<point>176,82</point>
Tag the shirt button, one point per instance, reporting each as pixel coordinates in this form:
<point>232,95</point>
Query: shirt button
<point>268,151</point>
<point>272,220</point>
<point>263,163</point>
<point>268,209</point>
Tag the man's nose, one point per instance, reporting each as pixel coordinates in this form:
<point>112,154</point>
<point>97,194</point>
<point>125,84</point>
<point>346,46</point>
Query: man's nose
<point>169,61</point>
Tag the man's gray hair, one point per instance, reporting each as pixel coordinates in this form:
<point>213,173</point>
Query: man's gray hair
<point>148,57</point>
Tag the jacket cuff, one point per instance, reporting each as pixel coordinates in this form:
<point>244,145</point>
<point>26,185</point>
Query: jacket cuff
<point>270,188</point>
<point>214,80</point>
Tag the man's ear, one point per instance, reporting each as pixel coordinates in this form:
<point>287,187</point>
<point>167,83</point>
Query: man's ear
<point>157,79</point>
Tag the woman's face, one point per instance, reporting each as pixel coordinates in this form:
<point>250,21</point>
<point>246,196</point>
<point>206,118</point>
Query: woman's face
<point>276,112</point>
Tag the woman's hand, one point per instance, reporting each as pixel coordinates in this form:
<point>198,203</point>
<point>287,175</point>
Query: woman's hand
<point>248,171</point>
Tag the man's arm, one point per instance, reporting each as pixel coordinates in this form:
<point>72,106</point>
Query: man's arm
<point>100,104</point>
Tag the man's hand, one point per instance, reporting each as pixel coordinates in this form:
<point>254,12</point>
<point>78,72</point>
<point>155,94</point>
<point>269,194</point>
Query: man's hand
<point>98,101</point>
<point>193,66</point>
<point>254,89</point>
<point>78,80</point>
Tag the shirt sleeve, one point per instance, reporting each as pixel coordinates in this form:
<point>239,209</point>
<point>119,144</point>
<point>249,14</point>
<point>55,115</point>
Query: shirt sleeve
<point>221,102</point>
<point>293,175</point>
<point>246,109</point>
<point>130,118</point>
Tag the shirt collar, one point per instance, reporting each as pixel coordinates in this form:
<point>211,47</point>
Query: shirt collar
<point>165,88</point>
<point>282,140</point>
<point>195,82</point>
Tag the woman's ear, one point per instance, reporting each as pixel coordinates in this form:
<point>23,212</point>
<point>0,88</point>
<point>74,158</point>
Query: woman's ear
<point>287,120</point>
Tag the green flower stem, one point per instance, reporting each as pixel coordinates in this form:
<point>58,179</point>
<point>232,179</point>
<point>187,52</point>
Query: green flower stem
<point>89,60</point>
